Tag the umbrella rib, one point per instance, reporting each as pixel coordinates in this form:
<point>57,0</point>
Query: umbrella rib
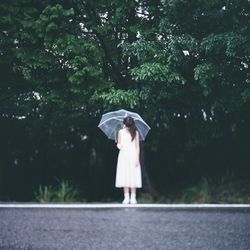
<point>120,117</point>
<point>111,122</point>
<point>112,118</point>
<point>141,120</point>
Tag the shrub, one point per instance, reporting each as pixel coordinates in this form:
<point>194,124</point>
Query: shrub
<point>63,192</point>
<point>198,194</point>
<point>66,192</point>
<point>44,194</point>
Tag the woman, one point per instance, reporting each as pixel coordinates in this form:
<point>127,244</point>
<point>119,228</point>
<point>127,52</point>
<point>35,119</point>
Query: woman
<point>128,173</point>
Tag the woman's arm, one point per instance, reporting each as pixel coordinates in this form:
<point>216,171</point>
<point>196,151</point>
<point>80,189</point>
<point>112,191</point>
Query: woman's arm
<point>137,145</point>
<point>119,140</point>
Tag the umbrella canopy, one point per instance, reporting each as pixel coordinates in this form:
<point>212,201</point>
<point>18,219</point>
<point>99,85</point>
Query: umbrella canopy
<point>112,122</point>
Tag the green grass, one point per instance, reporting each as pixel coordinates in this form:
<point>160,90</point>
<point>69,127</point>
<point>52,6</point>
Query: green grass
<point>44,194</point>
<point>197,194</point>
<point>206,191</point>
<point>232,192</point>
<point>64,191</point>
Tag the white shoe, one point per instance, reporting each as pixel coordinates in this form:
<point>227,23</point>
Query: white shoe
<point>126,199</point>
<point>133,199</point>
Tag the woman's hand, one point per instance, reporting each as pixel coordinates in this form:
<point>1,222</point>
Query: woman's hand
<point>137,163</point>
<point>119,145</point>
<point>137,145</point>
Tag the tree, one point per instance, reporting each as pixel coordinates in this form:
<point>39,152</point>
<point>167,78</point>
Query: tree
<point>183,65</point>
<point>194,76</point>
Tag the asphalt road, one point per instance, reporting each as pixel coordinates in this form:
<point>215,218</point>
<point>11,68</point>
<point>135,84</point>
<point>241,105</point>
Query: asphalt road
<point>124,228</point>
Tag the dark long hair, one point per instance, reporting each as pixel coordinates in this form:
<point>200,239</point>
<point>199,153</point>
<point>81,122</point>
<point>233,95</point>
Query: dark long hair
<point>130,124</point>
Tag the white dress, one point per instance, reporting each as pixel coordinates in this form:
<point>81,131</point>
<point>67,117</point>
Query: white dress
<point>127,173</point>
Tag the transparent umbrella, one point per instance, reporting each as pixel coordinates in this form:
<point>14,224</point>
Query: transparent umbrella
<point>112,122</point>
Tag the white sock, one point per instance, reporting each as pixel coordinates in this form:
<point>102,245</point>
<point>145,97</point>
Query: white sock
<point>133,198</point>
<point>126,198</point>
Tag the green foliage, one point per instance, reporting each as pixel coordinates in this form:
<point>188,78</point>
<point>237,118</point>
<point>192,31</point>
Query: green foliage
<point>197,194</point>
<point>246,96</point>
<point>231,191</point>
<point>44,194</point>
<point>63,192</point>
<point>50,53</point>
<point>184,65</point>
<point>118,98</point>
<point>145,198</point>
<point>142,49</point>
<point>206,74</point>
<point>154,72</point>
<point>228,44</point>
<point>66,192</point>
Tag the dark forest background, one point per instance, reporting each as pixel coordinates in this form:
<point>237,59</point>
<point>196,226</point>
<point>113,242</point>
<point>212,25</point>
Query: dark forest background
<point>182,64</point>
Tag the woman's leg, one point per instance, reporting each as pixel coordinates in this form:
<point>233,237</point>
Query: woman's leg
<point>133,196</point>
<point>126,195</point>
